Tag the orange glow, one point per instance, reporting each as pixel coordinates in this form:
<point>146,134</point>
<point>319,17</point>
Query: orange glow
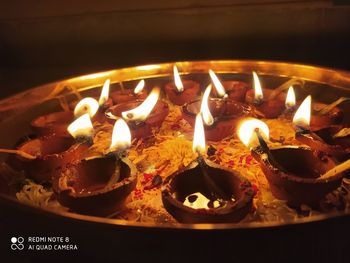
<point>139,87</point>
<point>207,117</point>
<point>86,105</point>
<point>303,114</point>
<point>121,136</point>
<point>258,94</point>
<point>104,93</point>
<point>141,112</point>
<point>290,99</point>
<point>217,84</point>
<point>246,132</point>
<point>199,136</point>
<point>81,127</point>
<point>177,80</point>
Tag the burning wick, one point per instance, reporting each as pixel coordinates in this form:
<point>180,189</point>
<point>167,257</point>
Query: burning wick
<point>290,100</point>
<point>177,80</point>
<point>198,147</point>
<point>139,87</point>
<point>301,119</point>
<point>86,105</point>
<point>121,138</point>
<point>205,111</point>
<point>258,94</point>
<point>81,129</point>
<point>104,93</point>
<point>217,84</point>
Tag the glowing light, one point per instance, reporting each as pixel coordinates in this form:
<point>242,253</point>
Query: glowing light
<point>86,105</point>
<point>207,117</point>
<point>139,87</point>
<point>290,99</point>
<point>177,80</point>
<point>81,127</point>
<point>217,84</point>
<point>258,94</point>
<point>246,132</point>
<point>141,112</point>
<point>104,93</point>
<point>121,136</point>
<point>199,136</point>
<point>302,116</point>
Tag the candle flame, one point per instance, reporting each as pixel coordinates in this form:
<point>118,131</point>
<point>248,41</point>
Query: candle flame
<point>199,136</point>
<point>246,132</point>
<point>139,87</point>
<point>217,84</point>
<point>81,127</point>
<point>141,112</point>
<point>303,114</point>
<point>258,94</point>
<point>207,117</point>
<point>177,80</point>
<point>104,93</point>
<point>121,136</point>
<point>86,105</point>
<point>290,99</point>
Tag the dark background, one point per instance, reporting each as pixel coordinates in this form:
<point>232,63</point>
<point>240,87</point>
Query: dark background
<point>47,40</point>
<point>43,41</point>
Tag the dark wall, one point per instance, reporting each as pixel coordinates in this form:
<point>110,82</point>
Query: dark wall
<point>43,41</point>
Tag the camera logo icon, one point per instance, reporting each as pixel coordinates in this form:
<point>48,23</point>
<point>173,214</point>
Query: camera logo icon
<point>17,243</point>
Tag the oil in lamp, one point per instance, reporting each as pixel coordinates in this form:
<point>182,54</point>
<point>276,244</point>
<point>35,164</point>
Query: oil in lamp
<point>180,91</point>
<point>295,174</point>
<point>49,153</point>
<point>126,95</point>
<point>205,192</point>
<point>99,185</point>
<point>141,116</point>
<point>220,115</point>
<point>333,139</point>
<point>235,90</point>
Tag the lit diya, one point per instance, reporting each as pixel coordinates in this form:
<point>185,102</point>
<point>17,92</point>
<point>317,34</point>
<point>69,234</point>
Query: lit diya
<point>141,116</point>
<point>99,185</point>
<point>235,90</point>
<point>333,140</point>
<point>205,192</point>
<point>298,175</point>
<point>41,157</point>
<point>270,103</point>
<point>220,116</point>
<point>180,91</point>
<point>125,95</point>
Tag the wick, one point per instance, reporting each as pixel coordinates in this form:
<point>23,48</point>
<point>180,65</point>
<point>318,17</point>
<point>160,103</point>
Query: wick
<point>84,140</point>
<point>266,150</point>
<point>301,131</point>
<point>20,153</point>
<point>336,170</point>
<point>215,191</point>
<point>258,101</point>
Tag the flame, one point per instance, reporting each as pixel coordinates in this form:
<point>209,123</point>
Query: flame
<point>121,136</point>
<point>207,117</point>
<point>258,94</point>
<point>246,132</point>
<point>141,112</point>
<point>104,93</point>
<point>303,114</point>
<point>86,105</point>
<point>177,80</point>
<point>139,87</point>
<point>290,99</point>
<point>199,137</point>
<point>217,84</point>
<point>81,127</point>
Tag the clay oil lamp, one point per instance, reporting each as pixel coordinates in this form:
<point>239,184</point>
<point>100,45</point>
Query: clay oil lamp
<point>180,91</point>
<point>205,192</point>
<point>269,103</point>
<point>295,174</point>
<point>235,90</point>
<point>41,157</point>
<point>99,185</point>
<point>332,140</point>
<point>141,116</point>
<point>125,95</point>
<point>104,100</point>
<point>220,115</point>
<point>324,115</point>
